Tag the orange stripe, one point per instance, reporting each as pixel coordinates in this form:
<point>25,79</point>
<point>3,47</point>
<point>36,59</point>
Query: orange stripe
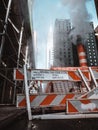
<point>87,75</point>
<point>95,110</point>
<point>32,97</point>
<point>23,102</point>
<point>80,48</point>
<point>84,64</point>
<point>73,75</point>
<point>85,96</point>
<point>85,101</point>
<point>82,57</point>
<point>19,75</point>
<point>96,70</point>
<point>71,108</point>
<point>68,96</point>
<point>48,99</point>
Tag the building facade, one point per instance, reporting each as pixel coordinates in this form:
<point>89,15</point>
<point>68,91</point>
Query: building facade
<point>91,46</point>
<point>62,46</point>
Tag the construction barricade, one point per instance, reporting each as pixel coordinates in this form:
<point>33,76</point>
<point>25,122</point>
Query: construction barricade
<point>60,95</point>
<point>81,106</point>
<point>44,100</point>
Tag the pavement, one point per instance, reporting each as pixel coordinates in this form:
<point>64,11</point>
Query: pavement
<point>12,118</point>
<point>8,114</point>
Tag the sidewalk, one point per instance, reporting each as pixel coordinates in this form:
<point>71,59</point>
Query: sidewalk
<point>9,114</point>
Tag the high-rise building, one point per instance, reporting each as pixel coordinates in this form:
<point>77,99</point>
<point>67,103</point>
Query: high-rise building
<point>91,47</point>
<point>62,46</point>
<point>96,5</point>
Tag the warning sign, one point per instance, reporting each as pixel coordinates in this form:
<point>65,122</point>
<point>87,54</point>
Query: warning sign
<point>48,75</point>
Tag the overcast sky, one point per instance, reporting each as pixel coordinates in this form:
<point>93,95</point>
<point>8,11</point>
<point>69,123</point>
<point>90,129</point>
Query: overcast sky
<point>44,14</point>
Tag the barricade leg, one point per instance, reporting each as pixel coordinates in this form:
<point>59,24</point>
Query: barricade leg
<point>27,94</point>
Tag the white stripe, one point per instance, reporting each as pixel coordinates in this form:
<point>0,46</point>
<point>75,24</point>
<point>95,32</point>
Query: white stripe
<point>83,61</point>
<point>38,100</point>
<point>95,74</point>
<point>20,98</point>
<point>82,54</point>
<point>57,100</point>
<point>76,74</point>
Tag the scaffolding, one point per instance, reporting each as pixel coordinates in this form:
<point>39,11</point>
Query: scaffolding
<point>12,52</point>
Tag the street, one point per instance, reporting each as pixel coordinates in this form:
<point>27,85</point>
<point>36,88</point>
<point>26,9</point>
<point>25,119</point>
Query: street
<point>76,124</point>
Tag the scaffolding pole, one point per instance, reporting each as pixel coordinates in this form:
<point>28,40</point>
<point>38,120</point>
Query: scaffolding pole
<point>27,93</point>
<point>20,43</point>
<point>4,29</point>
<point>19,49</point>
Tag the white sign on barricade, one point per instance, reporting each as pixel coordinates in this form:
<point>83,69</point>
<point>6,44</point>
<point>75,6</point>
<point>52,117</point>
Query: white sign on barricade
<point>49,75</point>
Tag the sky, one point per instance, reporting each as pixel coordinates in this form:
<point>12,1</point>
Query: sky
<point>46,11</point>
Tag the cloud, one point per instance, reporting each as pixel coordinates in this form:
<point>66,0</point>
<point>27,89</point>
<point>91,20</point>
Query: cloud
<point>59,5</point>
<point>79,16</point>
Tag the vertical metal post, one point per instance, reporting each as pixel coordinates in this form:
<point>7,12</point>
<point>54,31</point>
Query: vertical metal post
<point>27,93</point>
<point>4,30</point>
<point>20,43</point>
<point>95,82</point>
<point>26,55</point>
<point>89,89</point>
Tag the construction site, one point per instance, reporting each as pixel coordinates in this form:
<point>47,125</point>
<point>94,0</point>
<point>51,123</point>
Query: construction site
<point>62,95</point>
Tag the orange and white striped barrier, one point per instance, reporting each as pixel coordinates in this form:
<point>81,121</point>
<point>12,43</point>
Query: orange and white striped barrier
<point>93,94</point>
<point>68,74</point>
<point>44,100</point>
<point>95,73</point>
<point>82,106</point>
<point>81,55</point>
<point>18,74</point>
<point>75,76</point>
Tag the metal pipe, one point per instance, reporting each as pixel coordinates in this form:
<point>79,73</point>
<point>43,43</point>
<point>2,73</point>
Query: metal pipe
<point>20,43</point>
<point>26,55</point>
<point>27,93</point>
<point>9,40</point>
<point>63,116</point>
<point>16,29</point>
<point>4,29</point>
<point>19,50</point>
